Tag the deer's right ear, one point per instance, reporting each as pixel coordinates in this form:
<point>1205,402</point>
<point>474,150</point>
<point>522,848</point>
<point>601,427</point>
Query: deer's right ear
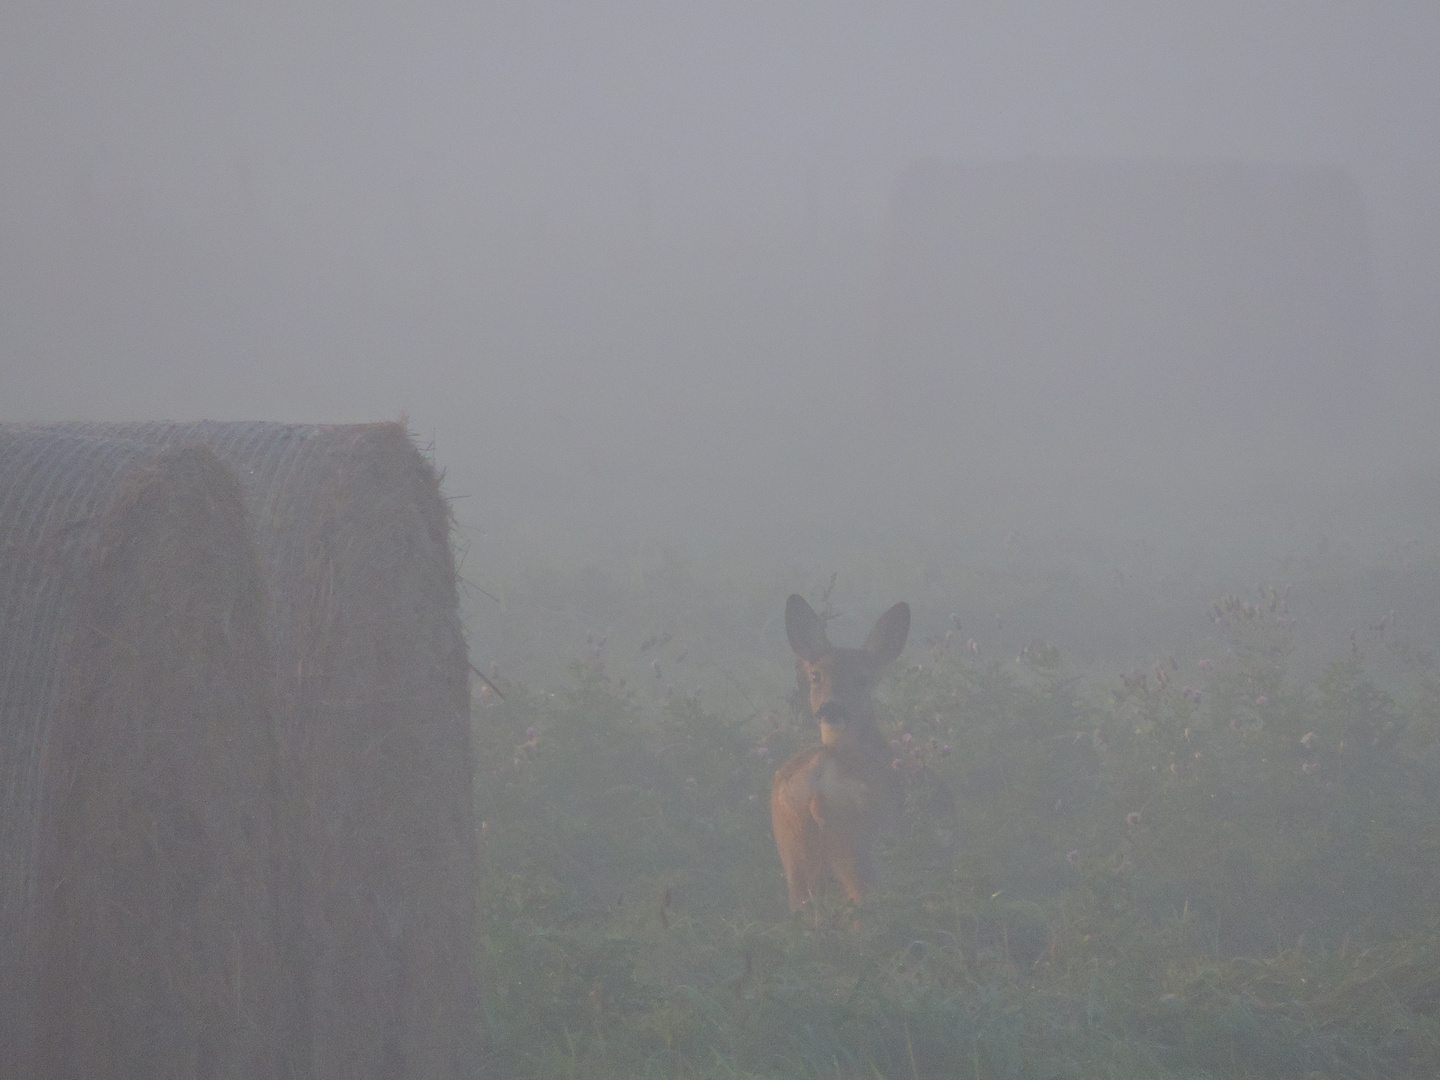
<point>805,629</point>
<point>887,639</point>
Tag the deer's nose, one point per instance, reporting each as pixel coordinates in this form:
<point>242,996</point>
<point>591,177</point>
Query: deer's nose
<point>832,712</point>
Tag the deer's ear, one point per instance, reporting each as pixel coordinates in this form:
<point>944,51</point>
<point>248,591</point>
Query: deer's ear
<point>887,639</point>
<point>806,630</point>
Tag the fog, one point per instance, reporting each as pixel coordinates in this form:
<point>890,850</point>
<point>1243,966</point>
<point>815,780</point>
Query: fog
<point>655,275</point>
<point>1104,335</point>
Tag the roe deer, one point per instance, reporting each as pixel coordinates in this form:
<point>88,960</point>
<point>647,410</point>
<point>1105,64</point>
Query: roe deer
<point>829,802</point>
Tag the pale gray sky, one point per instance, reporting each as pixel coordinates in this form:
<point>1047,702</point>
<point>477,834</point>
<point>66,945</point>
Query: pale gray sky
<point>606,232</point>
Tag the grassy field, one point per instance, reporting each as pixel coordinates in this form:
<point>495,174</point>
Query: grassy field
<point>1154,827</point>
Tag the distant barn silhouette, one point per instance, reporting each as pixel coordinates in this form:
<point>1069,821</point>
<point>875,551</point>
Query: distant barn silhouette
<point>1103,300</point>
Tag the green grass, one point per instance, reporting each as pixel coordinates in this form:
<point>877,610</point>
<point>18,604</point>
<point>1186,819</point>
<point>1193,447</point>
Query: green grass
<point>1223,872</point>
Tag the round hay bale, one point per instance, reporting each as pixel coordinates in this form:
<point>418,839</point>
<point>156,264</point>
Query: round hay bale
<point>371,684</point>
<point>137,917</point>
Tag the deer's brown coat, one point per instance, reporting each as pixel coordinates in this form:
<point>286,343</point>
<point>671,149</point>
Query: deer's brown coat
<point>828,803</point>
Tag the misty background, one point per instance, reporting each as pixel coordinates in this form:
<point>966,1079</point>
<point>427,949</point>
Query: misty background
<point>1113,294</point>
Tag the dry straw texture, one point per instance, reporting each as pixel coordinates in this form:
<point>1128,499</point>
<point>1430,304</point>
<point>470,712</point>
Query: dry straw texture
<point>138,773</point>
<point>379,863</point>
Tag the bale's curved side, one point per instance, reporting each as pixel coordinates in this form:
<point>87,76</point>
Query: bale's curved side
<point>384,690</point>
<point>134,614</point>
<point>371,678</point>
<point>51,490</point>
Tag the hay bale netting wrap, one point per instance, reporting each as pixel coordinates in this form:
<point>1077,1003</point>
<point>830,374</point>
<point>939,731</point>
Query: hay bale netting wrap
<point>137,766</point>
<point>371,677</point>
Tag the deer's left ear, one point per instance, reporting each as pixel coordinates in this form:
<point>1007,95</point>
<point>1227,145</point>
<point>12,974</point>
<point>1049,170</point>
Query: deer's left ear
<point>887,639</point>
<point>806,630</point>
